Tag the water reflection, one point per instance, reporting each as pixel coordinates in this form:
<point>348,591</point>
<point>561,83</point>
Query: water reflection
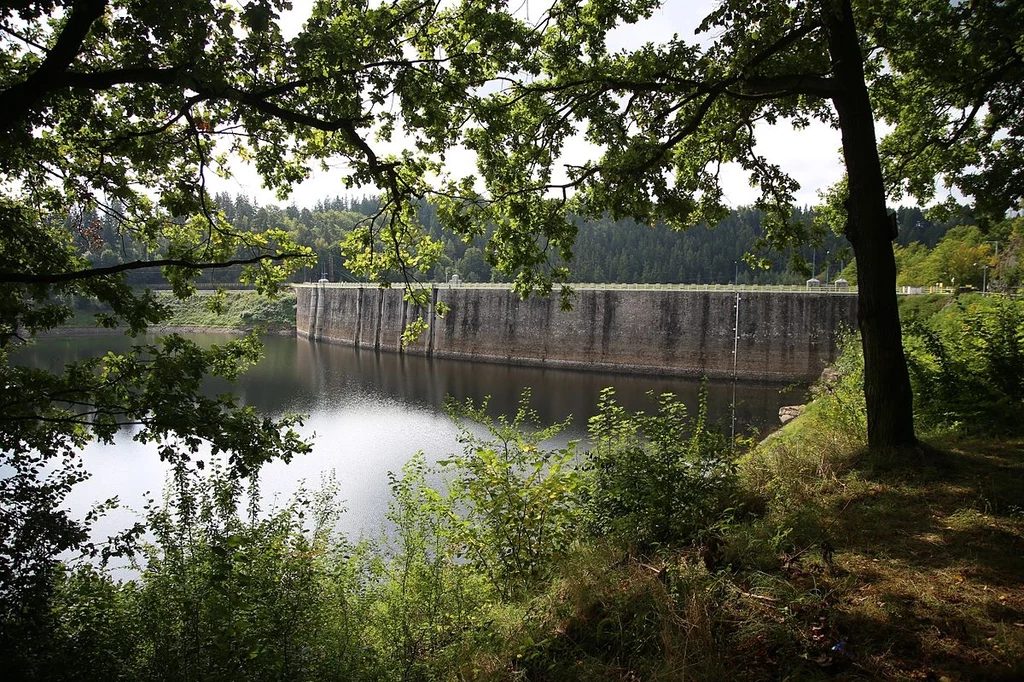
<point>335,372</point>
<point>370,412</point>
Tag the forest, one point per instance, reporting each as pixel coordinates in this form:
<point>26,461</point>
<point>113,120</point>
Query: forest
<point>622,251</point>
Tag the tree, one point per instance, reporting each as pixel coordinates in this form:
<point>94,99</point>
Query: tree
<point>912,265</point>
<point>123,109</point>
<point>667,117</point>
<point>960,258</point>
<point>954,88</point>
<point>472,267</point>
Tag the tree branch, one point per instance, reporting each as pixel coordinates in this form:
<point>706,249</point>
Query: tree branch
<point>57,278</point>
<point>781,44</point>
<point>21,97</point>
<point>770,87</point>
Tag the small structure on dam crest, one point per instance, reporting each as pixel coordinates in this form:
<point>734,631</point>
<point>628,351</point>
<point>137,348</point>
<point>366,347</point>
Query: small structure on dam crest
<point>765,334</point>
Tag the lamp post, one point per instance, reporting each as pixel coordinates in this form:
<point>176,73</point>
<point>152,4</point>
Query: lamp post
<point>984,279</point>
<point>827,267</point>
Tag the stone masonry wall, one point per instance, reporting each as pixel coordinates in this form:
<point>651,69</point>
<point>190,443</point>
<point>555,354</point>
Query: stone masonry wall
<point>783,336</point>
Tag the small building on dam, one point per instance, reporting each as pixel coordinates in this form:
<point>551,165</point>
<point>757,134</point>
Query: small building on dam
<point>753,334</point>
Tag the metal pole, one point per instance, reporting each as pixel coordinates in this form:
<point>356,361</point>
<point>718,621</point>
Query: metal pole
<point>735,357</point>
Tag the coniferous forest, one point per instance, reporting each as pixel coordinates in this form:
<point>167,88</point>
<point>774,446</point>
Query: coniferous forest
<point>611,251</point>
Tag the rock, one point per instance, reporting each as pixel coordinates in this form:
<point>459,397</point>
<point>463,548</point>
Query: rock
<point>788,413</point>
<point>829,375</point>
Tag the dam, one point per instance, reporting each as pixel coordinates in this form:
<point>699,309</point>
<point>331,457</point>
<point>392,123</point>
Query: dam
<point>753,334</point>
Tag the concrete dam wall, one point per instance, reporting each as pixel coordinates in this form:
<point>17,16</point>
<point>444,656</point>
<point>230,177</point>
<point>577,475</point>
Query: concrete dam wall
<point>780,336</point>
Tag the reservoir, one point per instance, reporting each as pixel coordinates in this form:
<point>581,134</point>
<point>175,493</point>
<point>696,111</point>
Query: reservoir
<point>369,412</point>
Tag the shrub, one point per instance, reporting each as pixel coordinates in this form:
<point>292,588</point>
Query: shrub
<point>426,600</point>
<point>659,478</point>
<point>271,596</point>
<point>967,367</point>
<point>517,503</point>
<point>839,394</point>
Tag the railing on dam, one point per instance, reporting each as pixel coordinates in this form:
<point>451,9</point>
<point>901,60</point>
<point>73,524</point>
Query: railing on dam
<point>590,286</point>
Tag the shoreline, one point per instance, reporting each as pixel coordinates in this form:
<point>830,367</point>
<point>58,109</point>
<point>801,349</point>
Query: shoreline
<point>158,329</point>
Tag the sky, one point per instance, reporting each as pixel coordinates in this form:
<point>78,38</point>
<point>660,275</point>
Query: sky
<point>811,155</point>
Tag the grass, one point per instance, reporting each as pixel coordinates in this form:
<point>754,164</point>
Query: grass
<point>914,561</point>
<point>902,566</point>
<point>240,310</point>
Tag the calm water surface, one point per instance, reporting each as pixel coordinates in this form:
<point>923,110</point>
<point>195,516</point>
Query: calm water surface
<point>368,413</point>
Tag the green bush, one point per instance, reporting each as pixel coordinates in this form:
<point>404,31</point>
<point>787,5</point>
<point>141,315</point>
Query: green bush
<point>839,394</point>
<point>226,593</point>
<point>517,503</point>
<point>658,478</point>
<point>427,601</point>
<point>221,596</point>
<point>967,367</point>
<point>921,307</point>
<point>233,592</point>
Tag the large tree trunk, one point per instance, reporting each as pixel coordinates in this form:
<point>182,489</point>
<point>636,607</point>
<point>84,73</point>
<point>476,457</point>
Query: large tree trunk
<point>886,380</point>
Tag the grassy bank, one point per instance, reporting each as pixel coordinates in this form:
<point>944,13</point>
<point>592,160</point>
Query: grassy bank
<point>243,310</point>
<point>891,566</point>
<point>903,565</point>
<point>235,310</point>
<point>658,554</point>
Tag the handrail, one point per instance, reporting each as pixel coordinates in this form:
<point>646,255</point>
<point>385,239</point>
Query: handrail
<point>614,286</point>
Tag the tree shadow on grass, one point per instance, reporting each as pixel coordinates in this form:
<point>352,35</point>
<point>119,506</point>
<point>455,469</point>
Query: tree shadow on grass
<point>958,511</point>
<point>932,553</point>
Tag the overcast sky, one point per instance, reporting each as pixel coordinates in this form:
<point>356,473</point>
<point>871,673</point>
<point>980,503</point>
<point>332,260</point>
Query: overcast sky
<point>811,155</point>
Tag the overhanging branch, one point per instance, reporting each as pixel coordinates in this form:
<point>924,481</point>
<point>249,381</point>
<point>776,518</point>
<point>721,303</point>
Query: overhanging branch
<point>61,277</point>
<point>20,98</point>
<point>770,87</point>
